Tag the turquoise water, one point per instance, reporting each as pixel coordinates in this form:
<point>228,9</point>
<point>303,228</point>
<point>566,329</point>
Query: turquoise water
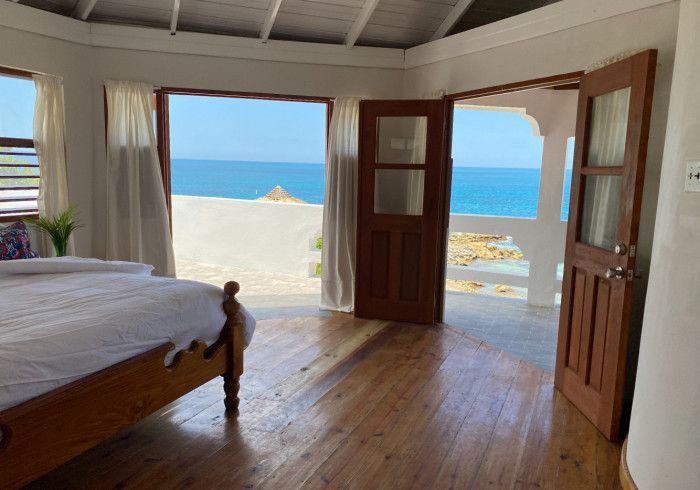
<point>484,191</point>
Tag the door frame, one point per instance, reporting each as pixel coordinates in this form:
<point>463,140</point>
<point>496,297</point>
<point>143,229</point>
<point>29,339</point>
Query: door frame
<point>568,80</point>
<point>163,121</point>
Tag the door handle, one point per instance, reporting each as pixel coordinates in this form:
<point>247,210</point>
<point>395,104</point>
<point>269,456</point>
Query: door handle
<point>616,273</point>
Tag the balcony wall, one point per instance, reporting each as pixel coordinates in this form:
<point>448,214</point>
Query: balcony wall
<point>255,235</point>
<point>281,237</point>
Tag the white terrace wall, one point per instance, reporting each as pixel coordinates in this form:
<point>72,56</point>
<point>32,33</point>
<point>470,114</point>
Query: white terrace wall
<point>253,235</point>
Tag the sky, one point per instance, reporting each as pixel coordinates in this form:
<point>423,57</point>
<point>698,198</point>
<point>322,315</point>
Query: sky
<point>218,128</point>
<point>277,131</point>
<point>16,107</point>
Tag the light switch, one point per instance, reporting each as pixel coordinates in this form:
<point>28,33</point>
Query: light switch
<point>692,176</point>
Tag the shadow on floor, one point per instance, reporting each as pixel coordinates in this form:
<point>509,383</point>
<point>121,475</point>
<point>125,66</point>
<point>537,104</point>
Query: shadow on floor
<point>283,306</point>
<point>528,332</point>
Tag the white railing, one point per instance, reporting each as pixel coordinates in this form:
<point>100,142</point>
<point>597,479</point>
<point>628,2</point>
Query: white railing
<point>542,244</point>
<point>281,237</point>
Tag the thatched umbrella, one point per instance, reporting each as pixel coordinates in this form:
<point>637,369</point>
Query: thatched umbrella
<point>278,194</point>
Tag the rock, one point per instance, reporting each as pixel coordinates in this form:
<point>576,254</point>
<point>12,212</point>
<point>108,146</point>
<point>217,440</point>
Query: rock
<point>465,248</point>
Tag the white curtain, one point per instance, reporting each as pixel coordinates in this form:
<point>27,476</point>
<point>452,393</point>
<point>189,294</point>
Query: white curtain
<point>49,142</point>
<point>138,228</point>
<point>340,206</point>
<point>416,178</point>
<point>608,132</point>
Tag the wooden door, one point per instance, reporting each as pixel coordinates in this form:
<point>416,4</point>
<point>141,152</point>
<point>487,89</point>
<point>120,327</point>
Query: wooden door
<point>400,196</point>
<point>606,192</point>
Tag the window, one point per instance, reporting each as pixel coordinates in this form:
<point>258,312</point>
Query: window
<point>19,167</point>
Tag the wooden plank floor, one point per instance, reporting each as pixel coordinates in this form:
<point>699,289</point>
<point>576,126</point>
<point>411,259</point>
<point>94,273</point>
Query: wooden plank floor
<point>337,402</point>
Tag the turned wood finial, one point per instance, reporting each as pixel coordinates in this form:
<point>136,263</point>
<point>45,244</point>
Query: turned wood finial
<point>231,305</point>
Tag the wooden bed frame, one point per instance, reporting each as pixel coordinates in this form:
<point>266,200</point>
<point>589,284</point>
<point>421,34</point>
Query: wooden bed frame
<point>44,432</point>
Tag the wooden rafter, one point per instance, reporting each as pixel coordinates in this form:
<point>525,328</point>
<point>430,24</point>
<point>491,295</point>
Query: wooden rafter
<point>83,8</point>
<point>270,19</point>
<point>173,18</point>
<point>452,18</point>
<point>359,25</point>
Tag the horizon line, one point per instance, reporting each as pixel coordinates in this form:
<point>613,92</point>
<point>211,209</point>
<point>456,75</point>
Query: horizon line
<point>323,163</point>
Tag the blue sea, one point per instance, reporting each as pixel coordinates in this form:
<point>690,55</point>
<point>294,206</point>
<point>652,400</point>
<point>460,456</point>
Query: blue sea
<point>485,191</point>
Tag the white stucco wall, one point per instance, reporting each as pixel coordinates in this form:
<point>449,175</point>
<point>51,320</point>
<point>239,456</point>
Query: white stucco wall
<point>253,235</point>
<point>664,436</point>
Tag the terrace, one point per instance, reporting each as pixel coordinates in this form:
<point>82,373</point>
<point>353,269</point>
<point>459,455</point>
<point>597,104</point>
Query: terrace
<point>271,249</point>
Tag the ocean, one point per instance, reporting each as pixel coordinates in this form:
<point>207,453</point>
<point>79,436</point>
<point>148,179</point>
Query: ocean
<point>475,190</point>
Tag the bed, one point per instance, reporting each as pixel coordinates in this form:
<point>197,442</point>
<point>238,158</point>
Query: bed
<point>88,348</point>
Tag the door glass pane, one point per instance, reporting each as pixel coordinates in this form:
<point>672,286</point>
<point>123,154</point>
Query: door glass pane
<point>601,210</point>
<point>606,146</point>
<point>401,139</point>
<point>398,191</point>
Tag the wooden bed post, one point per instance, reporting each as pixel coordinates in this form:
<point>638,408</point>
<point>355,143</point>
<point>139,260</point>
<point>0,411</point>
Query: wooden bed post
<point>235,341</point>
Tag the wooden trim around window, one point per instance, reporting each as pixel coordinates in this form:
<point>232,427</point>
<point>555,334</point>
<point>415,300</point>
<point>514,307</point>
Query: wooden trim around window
<point>14,72</point>
<point>163,139</point>
<point>564,79</point>
<point>244,95</point>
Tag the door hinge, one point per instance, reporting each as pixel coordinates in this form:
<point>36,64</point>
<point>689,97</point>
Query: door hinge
<point>630,275</point>
<point>633,250</point>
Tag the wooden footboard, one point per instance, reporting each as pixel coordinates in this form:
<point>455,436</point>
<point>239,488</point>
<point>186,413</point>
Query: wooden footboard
<point>44,432</point>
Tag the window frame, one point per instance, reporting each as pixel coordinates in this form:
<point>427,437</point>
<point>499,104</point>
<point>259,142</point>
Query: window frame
<point>18,143</point>
<point>163,122</point>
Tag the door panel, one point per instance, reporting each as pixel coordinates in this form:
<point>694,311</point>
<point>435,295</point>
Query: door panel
<point>611,144</point>
<point>399,191</point>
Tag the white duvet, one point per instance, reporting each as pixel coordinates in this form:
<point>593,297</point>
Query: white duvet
<point>63,319</point>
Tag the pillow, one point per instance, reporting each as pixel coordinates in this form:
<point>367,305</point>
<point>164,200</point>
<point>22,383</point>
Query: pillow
<point>14,243</point>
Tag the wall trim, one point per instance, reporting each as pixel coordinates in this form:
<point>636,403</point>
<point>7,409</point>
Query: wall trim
<point>556,17</point>
<point>626,479</point>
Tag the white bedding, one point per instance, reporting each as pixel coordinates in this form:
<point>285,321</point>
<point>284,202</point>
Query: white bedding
<point>56,327</point>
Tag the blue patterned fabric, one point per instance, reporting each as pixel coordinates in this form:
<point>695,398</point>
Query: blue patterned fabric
<point>14,243</point>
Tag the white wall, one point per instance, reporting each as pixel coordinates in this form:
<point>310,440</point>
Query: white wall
<point>253,235</point>
<point>664,437</point>
<point>42,54</point>
<point>207,72</point>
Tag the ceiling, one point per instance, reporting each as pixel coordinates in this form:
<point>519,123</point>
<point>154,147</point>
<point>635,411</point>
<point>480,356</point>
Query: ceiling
<point>385,23</point>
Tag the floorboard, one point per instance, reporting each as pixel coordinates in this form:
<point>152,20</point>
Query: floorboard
<point>339,402</point>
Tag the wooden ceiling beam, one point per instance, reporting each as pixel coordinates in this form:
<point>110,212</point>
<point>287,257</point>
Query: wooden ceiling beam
<point>272,11</point>
<point>452,18</point>
<point>174,16</point>
<point>359,25</point>
<point>83,8</point>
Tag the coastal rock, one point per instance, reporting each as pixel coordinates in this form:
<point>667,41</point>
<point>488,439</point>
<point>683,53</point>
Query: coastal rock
<point>465,248</point>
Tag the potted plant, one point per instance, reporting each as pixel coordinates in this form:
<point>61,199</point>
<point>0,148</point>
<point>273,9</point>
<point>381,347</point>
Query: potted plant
<point>59,228</point>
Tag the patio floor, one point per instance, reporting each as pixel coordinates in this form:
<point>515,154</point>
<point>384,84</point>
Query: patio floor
<point>527,332</point>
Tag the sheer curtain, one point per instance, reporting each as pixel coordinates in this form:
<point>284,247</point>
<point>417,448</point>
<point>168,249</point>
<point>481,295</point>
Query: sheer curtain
<point>416,178</point>
<point>49,142</point>
<point>340,205</point>
<point>138,228</point>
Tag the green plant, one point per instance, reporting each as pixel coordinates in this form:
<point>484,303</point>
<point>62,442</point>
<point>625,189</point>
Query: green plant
<point>319,243</point>
<point>59,228</point>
